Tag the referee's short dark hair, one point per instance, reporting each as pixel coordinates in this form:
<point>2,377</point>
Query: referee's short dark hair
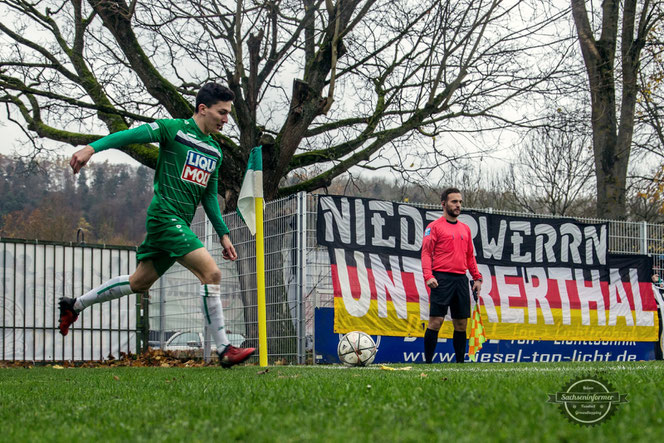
<point>448,191</point>
<point>212,93</point>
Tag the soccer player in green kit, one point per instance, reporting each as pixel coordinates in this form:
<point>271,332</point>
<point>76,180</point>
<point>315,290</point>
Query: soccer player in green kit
<point>186,174</point>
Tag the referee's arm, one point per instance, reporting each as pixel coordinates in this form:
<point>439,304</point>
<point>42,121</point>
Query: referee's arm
<point>428,243</point>
<point>472,266</point>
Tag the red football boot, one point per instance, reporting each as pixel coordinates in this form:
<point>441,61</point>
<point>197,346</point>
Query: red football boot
<point>232,356</point>
<point>67,314</point>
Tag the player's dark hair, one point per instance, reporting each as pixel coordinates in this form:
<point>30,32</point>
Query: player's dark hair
<point>212,93</point>
<point>447,192</point>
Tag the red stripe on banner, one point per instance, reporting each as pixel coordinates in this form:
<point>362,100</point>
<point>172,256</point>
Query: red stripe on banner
<point>407,278</point>
<point>553,296</point>
<point>516,299</point>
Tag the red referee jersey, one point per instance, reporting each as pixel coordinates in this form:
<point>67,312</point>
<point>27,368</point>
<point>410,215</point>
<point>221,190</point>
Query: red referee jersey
<point>448,247</point>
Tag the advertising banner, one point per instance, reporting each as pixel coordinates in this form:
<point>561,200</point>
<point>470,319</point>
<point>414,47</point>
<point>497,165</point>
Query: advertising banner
<point>544,278</point>
<point>411,349</point>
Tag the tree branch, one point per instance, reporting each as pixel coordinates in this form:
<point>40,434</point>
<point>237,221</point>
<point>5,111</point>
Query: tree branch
<point>116,18</point>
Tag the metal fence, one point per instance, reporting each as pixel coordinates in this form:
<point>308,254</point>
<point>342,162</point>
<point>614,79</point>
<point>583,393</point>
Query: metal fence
<point>33,277</point>
<point>298,277</point>
<point>290,268</point>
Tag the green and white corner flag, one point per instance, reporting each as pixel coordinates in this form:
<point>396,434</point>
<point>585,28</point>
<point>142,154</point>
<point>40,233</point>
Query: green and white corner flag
<point>252,189</point>
<point>250,206</point>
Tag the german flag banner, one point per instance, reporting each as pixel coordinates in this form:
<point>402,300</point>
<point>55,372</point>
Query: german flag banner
<point>544,278</point>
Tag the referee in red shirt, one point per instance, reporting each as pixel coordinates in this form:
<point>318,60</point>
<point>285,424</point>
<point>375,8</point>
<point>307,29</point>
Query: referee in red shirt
<point>447,252</point>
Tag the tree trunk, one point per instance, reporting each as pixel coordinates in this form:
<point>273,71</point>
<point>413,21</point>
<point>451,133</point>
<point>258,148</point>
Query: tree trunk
<point>612,139</point>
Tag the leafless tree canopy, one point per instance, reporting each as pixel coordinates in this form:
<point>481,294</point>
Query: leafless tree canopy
<point>555,170</point>
<point>650,103</point>
<point>324,86</point>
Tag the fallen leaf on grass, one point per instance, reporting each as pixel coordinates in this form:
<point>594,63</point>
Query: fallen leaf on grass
<point>115,377</point>
<point>388,368</point>
<point>424,374</point>
<point>263,372</point>
<point>58,367</point>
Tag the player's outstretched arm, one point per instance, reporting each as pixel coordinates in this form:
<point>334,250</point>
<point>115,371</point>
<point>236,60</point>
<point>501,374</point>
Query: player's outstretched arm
<point>229,250</point>
<point>80,158</point>
<point>142,134</point>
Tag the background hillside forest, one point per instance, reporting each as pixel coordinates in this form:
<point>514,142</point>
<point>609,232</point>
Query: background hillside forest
<point>45,201</point>
<point>108,202</point>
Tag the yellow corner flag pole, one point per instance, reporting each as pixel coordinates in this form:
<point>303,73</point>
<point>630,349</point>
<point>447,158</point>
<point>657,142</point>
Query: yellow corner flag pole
<point>260,284</point>
<point>250,208</point>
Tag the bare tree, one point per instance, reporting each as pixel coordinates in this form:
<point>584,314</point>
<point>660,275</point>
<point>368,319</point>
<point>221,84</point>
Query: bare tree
<point>650,105</point>
<point>647,174</point>
<point>323,85</point>
<point>554,168</point>
<point>628,22</point>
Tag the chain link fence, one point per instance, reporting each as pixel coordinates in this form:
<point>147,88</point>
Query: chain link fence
<point>289,237</point>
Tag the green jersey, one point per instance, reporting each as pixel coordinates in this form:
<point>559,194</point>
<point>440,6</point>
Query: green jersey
<point>187,168</point>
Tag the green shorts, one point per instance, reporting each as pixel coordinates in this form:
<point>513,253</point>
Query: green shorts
<point>167,240</point>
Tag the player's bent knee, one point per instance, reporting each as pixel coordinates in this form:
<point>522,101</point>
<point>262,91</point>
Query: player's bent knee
<point>211,277</point>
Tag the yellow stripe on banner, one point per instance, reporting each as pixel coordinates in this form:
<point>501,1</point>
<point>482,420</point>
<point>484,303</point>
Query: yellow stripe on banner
<point>413,326</point>
<point>575,330</point>
<point>260,284</point>
<point>372,323</point>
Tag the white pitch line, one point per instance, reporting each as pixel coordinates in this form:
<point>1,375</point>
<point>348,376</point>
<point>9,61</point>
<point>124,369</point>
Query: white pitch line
<point>466,368</point>
<point>554,369</point>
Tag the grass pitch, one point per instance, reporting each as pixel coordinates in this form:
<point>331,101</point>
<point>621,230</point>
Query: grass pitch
<point>446,402</point>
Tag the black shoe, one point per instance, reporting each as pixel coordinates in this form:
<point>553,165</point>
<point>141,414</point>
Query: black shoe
<point>68,314</point>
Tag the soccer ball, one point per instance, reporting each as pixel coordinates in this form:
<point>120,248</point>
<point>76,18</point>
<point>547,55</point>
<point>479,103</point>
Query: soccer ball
<point>356,349</point>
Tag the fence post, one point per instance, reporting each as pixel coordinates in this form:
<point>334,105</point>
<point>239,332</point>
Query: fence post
<point>207,233</point>
<point>644,237</point>
<point>301,273</point>
<point>314,292</point>
<point>142,322</point>
<point>162,312</point>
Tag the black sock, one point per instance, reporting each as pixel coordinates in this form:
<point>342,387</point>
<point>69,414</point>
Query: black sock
<point>459,342</point>
<point>430,341</point>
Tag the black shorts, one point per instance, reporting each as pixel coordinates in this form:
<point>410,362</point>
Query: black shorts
<point>452,292</point>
